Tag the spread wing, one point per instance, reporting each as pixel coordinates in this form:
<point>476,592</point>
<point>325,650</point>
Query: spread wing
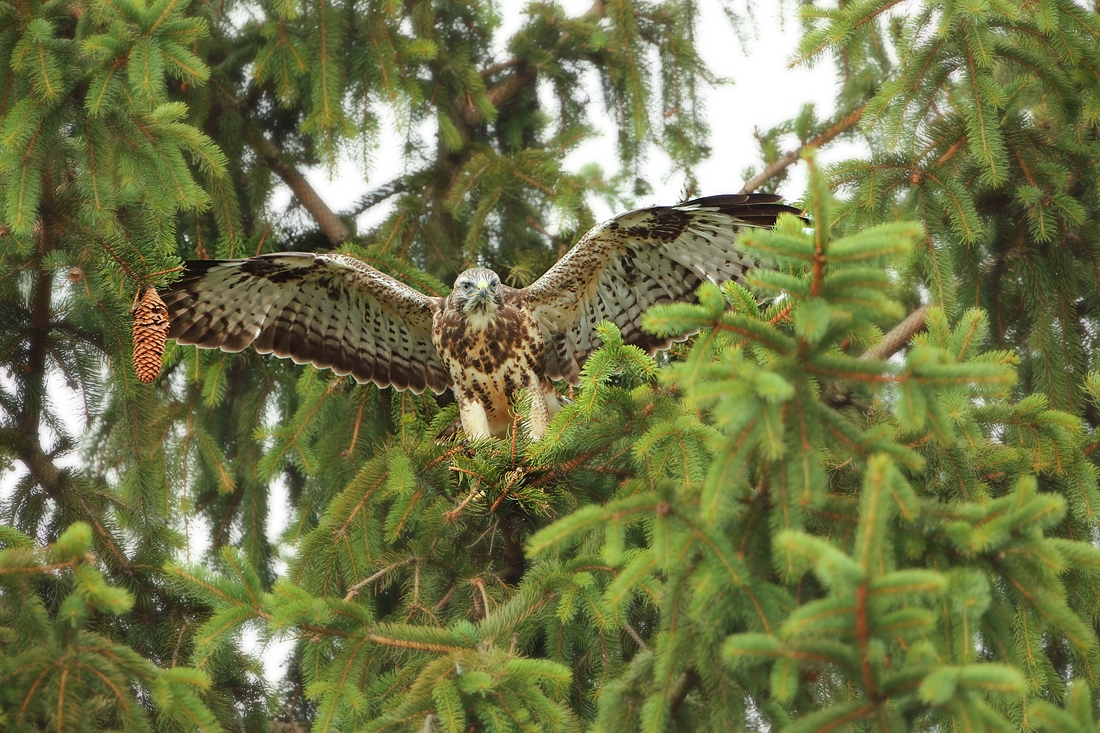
<point>636,260</point>
<point>331,311</point>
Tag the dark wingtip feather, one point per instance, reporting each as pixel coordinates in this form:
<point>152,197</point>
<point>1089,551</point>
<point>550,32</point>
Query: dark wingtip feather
<point>756,209</point>
<point>734,199</point>
<point>195,270</point>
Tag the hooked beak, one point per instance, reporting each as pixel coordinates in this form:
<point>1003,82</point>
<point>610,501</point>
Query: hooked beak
<point>480,299</point>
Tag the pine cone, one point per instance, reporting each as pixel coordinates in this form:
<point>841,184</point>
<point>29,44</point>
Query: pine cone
<point>150,334</point>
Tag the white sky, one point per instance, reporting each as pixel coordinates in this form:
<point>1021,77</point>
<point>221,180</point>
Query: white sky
<point>764,93</point>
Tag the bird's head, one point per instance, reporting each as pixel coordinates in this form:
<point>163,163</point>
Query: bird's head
<point>478,292</point>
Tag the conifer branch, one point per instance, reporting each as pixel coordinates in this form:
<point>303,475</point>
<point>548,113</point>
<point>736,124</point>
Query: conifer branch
<point>372,198</point>
<point>790,158</point>
<point>38,569</point>
<point>524,75</point>
<point>40,325</point>
<point>411,644</point>
<point>511,85</point>
<point>686,682</point>
<point>863,638</point>
<point>330,224</point>
<point>120,261</point>
<point>898,336</point>
<point>41,467</point>
<point>562,469</point>
<point>25,439</point>
<point>517,474</point>
<point>354,590</point>
<point>701,503</point>
<point>497,68</point>
<point>952,150</point>
<point>499,94</point>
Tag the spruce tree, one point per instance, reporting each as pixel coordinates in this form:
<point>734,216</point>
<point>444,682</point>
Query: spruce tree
<point>768,528</point>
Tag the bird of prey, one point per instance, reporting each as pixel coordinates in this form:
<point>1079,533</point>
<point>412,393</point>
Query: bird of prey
<point>486,341</point>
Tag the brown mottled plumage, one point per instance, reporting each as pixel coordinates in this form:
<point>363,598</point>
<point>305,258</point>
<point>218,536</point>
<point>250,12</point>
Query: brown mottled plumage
<point>492,348</point>
<point>485,340</point>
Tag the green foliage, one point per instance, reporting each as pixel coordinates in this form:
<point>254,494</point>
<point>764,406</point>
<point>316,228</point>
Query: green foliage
<point>981,118</point>
<point>922,524</point>
<point>777,528</point>
<point>760,530</point>
<point>57,674</point>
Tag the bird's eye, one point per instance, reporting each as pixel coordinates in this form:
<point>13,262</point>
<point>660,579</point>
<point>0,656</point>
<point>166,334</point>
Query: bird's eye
<point>467,286</point>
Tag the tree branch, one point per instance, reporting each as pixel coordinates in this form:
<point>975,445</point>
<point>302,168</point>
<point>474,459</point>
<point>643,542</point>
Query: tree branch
<point>497,68</point>
<point>511,85</point>
<point>24,437</point>
<point>523,76</point>
<point>29,451</point>
<point>899,336</point>
<point>504,90</point>
<point>372,198</point>
<point>331,225</point>
<point>354,590</point>
<point>686,682</point>
<point>792,157</point>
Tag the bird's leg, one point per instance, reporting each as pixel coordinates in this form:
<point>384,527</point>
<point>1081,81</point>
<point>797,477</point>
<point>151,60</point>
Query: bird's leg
<point>554,401</point>
<point>539,414</point>
<point>475,421</point>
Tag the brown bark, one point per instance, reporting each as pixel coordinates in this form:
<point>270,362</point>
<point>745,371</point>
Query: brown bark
<point>29,451</point>
<point>25,438</point>
<point>899,336</point>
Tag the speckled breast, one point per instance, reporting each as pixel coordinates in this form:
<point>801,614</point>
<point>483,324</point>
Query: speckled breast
<point>490,358</point>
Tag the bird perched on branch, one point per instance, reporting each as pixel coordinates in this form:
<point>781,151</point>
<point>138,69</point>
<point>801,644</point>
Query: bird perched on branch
<point>486,341</point>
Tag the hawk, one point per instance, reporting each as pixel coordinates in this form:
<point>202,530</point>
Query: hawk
<point>485,341</point>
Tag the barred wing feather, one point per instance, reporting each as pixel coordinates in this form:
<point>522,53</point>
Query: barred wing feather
<point>332,311</point>
<point>640,259</point>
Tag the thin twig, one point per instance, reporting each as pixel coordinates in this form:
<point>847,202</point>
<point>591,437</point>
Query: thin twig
<point>120,261</point>
<point>354,590</point>
<point>480,585</point>
<point>781,315</point>
<point>453,514</point>
<point>792,157</point>
<point>446,598</point>
<point>635,636</point>
<point>952,150</point>
<point>162,272</point>
<point>518,474</point>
